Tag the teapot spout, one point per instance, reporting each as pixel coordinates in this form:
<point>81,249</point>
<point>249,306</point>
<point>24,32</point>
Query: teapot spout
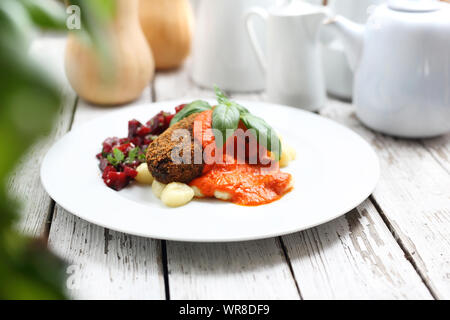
<point>352,36</point>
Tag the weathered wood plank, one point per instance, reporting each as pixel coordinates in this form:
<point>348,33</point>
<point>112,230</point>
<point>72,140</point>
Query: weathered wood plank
<point>106,264</point>
<point>177,84</point>
<point>25,185</point>
<point>397,279</point>
<point>353,257</point>
<point>439,147</point>
<point>413,196</point>
<point>248,270</point>
<point>102,263</point>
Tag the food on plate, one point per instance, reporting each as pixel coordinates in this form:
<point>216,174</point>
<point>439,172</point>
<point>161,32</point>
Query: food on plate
<point>176,194</point>
<point>288,154</point>
<point>222,195</point>
<point>197,192</point>
<point>239,181</point>
<point>220,151</point>
<point>159,155</point>
<point>120,157</point>
<point>226,175</point>
<point>157,188</point>
<point>143,174</point>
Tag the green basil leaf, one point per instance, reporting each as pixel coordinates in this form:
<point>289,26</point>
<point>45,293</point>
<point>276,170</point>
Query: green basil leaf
<point>223,99</point>
<point>225,119</point>
<point>194,107</point>
<point>241,109</point>
<point>118,155</point>
<point>266,136</point>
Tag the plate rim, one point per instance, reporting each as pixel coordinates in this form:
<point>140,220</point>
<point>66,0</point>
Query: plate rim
<point>173,102</point>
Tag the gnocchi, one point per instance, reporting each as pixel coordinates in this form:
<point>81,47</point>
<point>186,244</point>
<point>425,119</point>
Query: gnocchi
<point>143,174</point>
<point>287,154</point>
<point>197,192</point>
<point>222,195</point>
<point>157,188</point>
<point>176,194</point>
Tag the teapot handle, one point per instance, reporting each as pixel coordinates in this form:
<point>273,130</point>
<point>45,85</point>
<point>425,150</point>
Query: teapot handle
<point>261,13</point>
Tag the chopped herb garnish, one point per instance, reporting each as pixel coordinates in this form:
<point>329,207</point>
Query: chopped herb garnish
<point>132,154</point>
<point>117,158</point>
<point>141,157</point>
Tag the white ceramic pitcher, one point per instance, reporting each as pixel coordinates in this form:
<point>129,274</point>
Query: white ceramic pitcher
<point>222,54</point>
<point>293,66</point>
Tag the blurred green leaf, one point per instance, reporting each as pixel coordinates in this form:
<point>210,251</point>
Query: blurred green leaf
<point>29,102</point>
<point>16,26</point>
<point>96,17</point>
<point>46,14</point>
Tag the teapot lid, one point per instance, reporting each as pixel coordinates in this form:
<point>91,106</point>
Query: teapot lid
<point>414,5</point>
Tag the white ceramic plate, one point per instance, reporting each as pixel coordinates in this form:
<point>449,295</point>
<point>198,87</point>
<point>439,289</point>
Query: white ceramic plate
<point>335,170</point>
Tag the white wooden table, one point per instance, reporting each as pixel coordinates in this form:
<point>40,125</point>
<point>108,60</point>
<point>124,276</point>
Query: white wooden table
<point>395,245</point>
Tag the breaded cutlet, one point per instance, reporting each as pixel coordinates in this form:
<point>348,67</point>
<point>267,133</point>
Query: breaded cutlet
<point>159,155</point>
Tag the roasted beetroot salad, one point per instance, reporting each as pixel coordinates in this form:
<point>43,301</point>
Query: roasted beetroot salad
<point>120,157</point>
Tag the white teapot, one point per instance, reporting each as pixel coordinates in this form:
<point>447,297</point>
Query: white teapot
<point>401,60</point>
<point>338,75</point>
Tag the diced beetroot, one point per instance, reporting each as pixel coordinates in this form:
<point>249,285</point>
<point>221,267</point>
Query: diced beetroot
<point>143,131</point>
<point>116,180</point>
<point>168,119</point>
<point>109,144</point>
<point>139,135</point>
<point>179,108</point>
<point>125,147</point>
<point>107,149</point>
<point>157,124</point>
<point>129,172</point>
<point>133,126</point>
<point>146,142</point>
<point>103,164</point>
<point>137,141</point>
<point>107,170</point>
<point>133,165</point>
<point>135,129</point>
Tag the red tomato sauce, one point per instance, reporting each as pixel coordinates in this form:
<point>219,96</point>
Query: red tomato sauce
<point>248,184</point>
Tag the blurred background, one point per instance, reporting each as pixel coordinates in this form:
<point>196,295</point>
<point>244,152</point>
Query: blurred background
<point>114,48</point>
